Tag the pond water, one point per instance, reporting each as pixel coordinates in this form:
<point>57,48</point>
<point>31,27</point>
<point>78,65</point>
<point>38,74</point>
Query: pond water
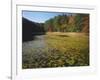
<point>38,42</point>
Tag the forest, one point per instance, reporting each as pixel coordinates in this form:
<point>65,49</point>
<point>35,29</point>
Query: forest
<point>68,23</point>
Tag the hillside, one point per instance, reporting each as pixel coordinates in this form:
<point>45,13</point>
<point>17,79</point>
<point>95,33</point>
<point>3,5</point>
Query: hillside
<point>68,23</point>
<point>30,29</point>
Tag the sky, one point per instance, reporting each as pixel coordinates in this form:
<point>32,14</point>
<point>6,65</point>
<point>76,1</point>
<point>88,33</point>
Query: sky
<point>39,17</point>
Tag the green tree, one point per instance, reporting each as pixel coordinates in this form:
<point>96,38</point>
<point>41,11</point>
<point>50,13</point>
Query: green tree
<point>78,22</point>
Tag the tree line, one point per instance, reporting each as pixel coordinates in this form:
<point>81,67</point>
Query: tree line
<point>68,23</point>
